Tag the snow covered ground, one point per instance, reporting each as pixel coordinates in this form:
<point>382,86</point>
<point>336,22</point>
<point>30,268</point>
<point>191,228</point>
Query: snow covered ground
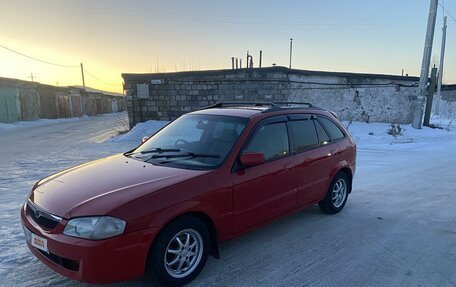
<point>398,227</point>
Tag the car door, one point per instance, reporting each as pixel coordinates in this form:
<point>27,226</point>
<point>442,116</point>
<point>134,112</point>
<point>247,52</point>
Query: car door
<point>314,154</point>
<point>266,190</point>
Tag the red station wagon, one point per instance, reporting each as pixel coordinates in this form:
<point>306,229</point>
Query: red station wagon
<point>161,208</point>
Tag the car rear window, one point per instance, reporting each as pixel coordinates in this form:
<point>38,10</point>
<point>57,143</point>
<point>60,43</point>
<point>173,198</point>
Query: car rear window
<point>303,134</point>
<point>323,137</point>
<point>333,130</point>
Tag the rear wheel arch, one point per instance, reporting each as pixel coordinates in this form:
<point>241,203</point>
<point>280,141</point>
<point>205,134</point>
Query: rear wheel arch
<point>348,172</point>
<point>337,193</point>
<point>342,166</point>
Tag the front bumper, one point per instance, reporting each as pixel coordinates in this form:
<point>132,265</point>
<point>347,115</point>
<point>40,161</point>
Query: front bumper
<point>97,262</point>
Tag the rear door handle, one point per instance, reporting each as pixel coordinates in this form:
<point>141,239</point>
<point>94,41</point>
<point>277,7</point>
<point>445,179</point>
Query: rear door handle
<point>288,166</point>
<point>332,153</point>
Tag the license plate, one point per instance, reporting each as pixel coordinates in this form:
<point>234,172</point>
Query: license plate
<point>36,241</point>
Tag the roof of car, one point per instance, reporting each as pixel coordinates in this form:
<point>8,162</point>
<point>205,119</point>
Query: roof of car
<point>249,109</point>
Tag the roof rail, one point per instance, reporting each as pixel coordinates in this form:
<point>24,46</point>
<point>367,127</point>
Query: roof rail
<point>228,104</point>
<point>272,106</point>
<point>294,103</point>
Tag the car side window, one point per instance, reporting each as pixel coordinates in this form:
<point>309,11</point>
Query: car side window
<point>333,130</point>
<point>323,137</point>
<point>303,134</point>
<point>270,140</point>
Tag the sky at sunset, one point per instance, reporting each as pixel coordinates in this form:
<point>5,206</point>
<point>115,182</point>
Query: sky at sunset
<point>143,36</point>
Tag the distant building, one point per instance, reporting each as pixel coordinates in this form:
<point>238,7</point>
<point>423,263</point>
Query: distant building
<point>23,100</point>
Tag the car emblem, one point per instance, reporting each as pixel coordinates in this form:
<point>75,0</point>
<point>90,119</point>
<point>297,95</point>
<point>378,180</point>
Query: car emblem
<point>37,213</point>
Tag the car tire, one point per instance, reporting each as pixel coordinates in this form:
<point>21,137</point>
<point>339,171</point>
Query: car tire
<point>179,252</point>
<point>337,194</point>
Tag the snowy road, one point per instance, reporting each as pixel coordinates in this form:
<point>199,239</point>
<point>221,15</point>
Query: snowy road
<point>398,228</point>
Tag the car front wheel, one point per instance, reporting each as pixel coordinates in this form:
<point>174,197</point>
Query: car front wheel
<point>337,194</point>
<point>180,252</point>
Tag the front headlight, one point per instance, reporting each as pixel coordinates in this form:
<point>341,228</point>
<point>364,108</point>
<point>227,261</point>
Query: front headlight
<point>95,228</point>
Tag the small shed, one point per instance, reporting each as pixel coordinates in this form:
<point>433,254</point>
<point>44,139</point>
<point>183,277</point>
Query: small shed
<point>19,100</point>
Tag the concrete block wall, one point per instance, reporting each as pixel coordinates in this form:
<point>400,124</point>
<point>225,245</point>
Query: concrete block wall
<point>447,101</point>
<point>171,95</point>
<point>358,97</point>
<point>449,93</point>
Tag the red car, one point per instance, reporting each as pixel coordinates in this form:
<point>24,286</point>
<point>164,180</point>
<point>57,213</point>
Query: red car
<point>208,176</point>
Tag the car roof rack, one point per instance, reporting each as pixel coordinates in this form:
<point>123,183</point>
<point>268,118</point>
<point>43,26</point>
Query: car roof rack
<point>271,106</point>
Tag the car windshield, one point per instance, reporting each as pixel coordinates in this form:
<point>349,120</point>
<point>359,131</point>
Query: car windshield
<point>192,141</point>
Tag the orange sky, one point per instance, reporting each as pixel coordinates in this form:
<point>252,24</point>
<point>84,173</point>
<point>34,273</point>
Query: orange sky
<point>114,37</point>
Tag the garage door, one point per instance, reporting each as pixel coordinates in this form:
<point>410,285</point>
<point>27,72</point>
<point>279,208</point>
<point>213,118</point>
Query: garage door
<point>8,106</point>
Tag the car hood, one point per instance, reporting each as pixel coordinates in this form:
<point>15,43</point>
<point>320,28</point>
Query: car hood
<point>97,187</point>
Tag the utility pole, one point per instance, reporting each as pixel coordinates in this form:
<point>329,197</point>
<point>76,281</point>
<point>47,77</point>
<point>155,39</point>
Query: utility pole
<point>442,55</point>
<point>291,50</point>
<point>82,73</point>
<point>418,113</point>
<point>32,77</point>
<point>430,97</point>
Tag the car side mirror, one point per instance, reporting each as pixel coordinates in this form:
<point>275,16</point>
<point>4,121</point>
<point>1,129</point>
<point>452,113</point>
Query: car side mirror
<point>144,139</point>
<point>252,158</point>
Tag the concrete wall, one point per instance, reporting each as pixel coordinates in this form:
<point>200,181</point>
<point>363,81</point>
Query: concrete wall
<point>363,98</point>
<point>22,100</point>
<point>448,101</point>
<point>360,97</point>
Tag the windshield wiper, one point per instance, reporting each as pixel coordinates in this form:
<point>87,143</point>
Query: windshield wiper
<point>155,150</point>
<point>187,154</point>
<point>160,150</point>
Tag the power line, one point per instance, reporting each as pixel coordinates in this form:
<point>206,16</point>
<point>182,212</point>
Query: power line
<point>232,18</point>
<point>449,14</point>
<point>59,65</point>
<point>164,13</point>
<point>36,59</point>
<point>93,76</point>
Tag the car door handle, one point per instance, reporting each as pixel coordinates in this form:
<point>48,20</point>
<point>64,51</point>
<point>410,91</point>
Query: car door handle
<point>289,166</point>
<point>332,153</point>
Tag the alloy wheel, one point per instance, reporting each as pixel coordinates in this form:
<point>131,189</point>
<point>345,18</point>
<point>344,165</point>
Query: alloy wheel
<point>183,253</point>
<point>339,193</point>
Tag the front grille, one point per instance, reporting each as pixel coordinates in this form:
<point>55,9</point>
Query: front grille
<point>64,262</point>
<point>42,217</point>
